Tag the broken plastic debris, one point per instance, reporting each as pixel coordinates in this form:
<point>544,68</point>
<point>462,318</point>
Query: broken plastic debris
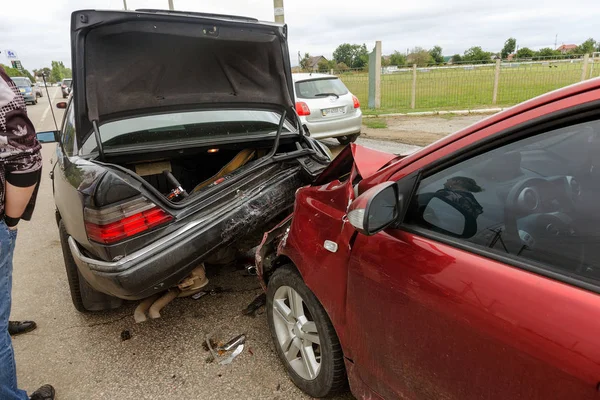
<point>125,335</point>
<point>255,305</point>
<point>233,355</point>
<point>236,341</point>
<point>199,295</point>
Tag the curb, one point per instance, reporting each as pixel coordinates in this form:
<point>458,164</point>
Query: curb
<point>431,113</point>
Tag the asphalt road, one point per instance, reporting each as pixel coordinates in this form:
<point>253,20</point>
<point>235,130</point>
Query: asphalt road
<point>84,357</point>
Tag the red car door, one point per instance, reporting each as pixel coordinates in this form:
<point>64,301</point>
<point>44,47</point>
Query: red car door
<point>508,310</point>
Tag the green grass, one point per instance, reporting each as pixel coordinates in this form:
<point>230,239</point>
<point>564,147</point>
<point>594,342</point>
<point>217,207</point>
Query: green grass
<point>460,88</point>
<point>375,123</point>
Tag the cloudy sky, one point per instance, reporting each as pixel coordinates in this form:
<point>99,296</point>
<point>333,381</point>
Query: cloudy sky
<point>38,30</point>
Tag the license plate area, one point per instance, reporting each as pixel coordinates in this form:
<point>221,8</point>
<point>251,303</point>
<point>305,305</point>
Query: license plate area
<point>333,111</point>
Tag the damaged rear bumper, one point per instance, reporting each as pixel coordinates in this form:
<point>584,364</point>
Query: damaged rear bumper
<point>166,261</point>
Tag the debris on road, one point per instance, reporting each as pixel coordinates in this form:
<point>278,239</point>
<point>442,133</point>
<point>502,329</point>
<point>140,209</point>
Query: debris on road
<point>236,341</point>
<point>125,335</point>
<point>233,355</point>
<point>256,304</point>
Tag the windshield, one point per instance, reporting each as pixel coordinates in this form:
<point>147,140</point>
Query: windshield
<point>21,82</point>
<point>187,126</point>
<point>320,87</point>
<point>67,82</point>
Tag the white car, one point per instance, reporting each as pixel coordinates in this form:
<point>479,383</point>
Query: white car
<point>327,108</point>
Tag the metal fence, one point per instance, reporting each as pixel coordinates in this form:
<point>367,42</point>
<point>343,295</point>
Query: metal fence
<point>469,86</point>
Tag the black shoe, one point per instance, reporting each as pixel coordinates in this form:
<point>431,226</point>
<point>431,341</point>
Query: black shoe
<point>46,392</point>
<point>18,327</point>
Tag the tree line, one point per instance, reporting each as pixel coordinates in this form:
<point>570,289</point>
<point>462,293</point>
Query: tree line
<point>57,73</point>
<point>353,56</point>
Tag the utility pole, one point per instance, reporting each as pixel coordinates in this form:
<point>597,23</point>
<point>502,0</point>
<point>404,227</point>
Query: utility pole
<point>278,11</point>
<point>171,6</point>
<point>555,41</point>
<point>125,4</point>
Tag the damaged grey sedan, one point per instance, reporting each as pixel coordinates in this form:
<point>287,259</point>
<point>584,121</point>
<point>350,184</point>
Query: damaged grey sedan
<point>180,146</point>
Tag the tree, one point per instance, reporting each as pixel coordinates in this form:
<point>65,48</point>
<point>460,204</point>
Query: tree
<point>436,54</point>
<point>385,61</point>
<point>57,71</point>
<point>341,67</point>
<point>398,59</point>
<point>323,65</point>
<point>525,52</point>
<point>476,53</point>
<point>419,56</point>
<point>353,55</point>
<point>545,53</point>
<point>11,71</point>
<point>509,47</point>
<point>304,62</point>
<point>456,58</point>
<point>587,47</point>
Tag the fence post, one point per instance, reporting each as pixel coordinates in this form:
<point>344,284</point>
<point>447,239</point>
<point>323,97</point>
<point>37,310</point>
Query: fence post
<point>496,81</point>
<point>413,99</point>
<point>378,74</point>
<point>584,68</point>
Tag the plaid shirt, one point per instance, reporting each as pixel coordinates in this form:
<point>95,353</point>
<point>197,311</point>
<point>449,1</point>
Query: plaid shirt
<point>19,148</point>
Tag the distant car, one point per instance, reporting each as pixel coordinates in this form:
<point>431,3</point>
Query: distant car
<point>326,107</point>
<point>39,92</point>
<point>65,87</point>
<point>26,88</point>
<point>467,270</point>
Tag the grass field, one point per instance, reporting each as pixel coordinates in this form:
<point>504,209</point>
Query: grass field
<point>467,87</point>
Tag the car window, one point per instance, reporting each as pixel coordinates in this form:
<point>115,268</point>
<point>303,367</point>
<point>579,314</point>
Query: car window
<point>21,82</point>
<point>186,126</point>
<point>535,199</point>
<point>68,132</point>
<point>316,88</point>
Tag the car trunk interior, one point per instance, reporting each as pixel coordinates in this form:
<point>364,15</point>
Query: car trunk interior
<point>194,168</point>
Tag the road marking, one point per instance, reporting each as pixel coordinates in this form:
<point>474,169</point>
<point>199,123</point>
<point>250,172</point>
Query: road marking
<point>45,114</point>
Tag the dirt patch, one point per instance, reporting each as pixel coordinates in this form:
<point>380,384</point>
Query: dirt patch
<point>420,131</point>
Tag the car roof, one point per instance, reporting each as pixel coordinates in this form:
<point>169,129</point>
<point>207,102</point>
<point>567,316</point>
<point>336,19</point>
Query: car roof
<point>305,76</point>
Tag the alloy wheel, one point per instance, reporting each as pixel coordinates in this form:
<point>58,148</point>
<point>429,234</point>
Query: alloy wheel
<point>297,333</point>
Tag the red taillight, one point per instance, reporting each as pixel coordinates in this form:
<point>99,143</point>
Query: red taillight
<point>302,108</point>
<point>112,224</point>
<point>356,102</point>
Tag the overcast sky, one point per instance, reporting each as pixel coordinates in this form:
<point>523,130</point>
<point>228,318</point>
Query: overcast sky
<point>38,30</point>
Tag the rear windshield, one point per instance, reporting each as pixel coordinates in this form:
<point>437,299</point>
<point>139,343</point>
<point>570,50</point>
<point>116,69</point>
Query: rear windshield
<point>190,126</point>
<point>67,82</point>
<point>21,82</point>
<point>320,88</point>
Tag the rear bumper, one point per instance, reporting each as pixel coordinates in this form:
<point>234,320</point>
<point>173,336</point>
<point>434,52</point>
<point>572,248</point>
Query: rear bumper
<point>334,128</point>
<point>165,262</point>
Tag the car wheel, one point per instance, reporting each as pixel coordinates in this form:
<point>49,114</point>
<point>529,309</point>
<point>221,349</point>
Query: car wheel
<point>304,336</point>
<point>84,297</point>
<point>348,138</point>
<point>34,102</point>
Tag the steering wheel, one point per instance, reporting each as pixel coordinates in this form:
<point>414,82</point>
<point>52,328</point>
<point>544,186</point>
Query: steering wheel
<point>529,226</point>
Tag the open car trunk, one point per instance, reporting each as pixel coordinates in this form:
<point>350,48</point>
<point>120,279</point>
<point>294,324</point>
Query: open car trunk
<point>194,170</point>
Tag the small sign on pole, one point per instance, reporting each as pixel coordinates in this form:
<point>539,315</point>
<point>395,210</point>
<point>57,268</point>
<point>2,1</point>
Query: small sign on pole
<point>11,54</point>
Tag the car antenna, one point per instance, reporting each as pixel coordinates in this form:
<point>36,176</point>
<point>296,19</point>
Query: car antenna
<point>49,102</point>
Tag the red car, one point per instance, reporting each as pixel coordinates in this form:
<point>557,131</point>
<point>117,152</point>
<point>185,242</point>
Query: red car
<point>467,270</point>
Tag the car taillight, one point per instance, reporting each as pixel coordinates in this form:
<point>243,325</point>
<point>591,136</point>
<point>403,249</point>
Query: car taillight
<point>356,102</point>
<point>302,108</point>
<point>112,224</point>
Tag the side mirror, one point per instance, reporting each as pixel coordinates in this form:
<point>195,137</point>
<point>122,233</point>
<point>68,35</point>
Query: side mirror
<point>375,209</point>
<point>61,104</point>
<point>48,136</point>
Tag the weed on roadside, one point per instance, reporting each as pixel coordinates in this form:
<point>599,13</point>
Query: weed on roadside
<point>375,123</point>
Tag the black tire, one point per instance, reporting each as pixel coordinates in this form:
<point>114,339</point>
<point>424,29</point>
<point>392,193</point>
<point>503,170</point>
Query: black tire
<point>34,102</point>
<point>348,138</point>
<point>65,96</point>
<point>331,378</point>
<point>84,297</point>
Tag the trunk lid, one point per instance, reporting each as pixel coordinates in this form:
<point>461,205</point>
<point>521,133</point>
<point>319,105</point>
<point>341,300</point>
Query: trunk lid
<point>136,63</point>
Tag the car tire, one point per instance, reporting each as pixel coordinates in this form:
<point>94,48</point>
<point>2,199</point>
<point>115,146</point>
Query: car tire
<point>34,102</point>
<point>327,376</point>
<point>84,297</point>
<point>348,138</point>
